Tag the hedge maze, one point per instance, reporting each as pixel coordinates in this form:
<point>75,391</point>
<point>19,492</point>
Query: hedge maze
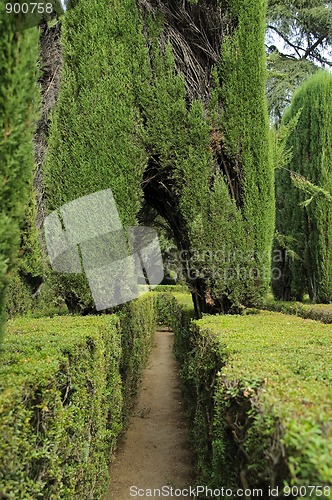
<point>164,103</point>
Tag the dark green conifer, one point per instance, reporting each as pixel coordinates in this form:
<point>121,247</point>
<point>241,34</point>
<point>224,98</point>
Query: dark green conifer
<point>18,73</point>
<point>164,102</point>
<point>304,207</point>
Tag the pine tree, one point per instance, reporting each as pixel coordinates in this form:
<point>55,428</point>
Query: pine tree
<point>304,190</point>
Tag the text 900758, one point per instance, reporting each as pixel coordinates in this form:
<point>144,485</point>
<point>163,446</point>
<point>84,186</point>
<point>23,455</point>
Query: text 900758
<point>24,14</point>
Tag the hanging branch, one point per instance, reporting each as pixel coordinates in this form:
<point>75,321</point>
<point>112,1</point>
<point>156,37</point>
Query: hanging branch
<point>308,187</point>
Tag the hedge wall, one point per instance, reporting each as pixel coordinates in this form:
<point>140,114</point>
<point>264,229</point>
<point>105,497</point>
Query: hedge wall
<point>257,389</point>
<point>318,312</point>
<point>65,388</point>
<point>138,322</point>
<point>258,394</point>
<point>18,103</point>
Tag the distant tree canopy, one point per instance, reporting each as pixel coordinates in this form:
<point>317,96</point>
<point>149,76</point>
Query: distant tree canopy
<point>304,197</point>
<point>164,102</point>
<point>304,27</point>
<point>18,98</point>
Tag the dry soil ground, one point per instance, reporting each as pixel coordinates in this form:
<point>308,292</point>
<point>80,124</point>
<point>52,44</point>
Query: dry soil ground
<point>154,451</point>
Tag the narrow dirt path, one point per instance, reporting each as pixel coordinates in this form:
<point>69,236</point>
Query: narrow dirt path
<point>154,451</point>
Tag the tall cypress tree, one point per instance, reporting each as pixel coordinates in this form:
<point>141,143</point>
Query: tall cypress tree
<point>18,98</point>
<point>304,196</point>
<point>210,173</point>
<point>164,102</point>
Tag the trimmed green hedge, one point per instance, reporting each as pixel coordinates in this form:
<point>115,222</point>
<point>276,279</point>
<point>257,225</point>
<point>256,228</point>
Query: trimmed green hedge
<point>171,288</point>
<point>258,393</point>
<point>138,322</point>
<point>318,312</point>
<point>62,389</point>
<point>257,388</point>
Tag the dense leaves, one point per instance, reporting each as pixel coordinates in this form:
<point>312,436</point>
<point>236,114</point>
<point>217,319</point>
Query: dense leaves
<point>258,393</point>
<point>299,41</point>
<point>318,312</point>
<point>65,390</point>
<point>18,73</point>
<point>126,120</point>
<point>304,189</point>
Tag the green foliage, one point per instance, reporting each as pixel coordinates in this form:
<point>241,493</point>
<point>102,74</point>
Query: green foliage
<point>199,157</point>
<point>244,125</point>
<point>124,121</point>
<point>289,392</point>
<point>308,187</point>
<point>259,399</point>
<point>62,407</point>
<point>304,208</point>
<point>171,288</point>
<point>95,130</point>
<point>20,294</point>
<point>318,312</point>
<point>138,322</point>
<point>18,103</point>
<point>62,378</point>
<point>19,300</point>
<point>302,32</point>
<point>285,75</point>
<point>75,292</point>
<point>49,301</point>
<point>30,259</point>
<point>282,155</point>
<point>304,26</point>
